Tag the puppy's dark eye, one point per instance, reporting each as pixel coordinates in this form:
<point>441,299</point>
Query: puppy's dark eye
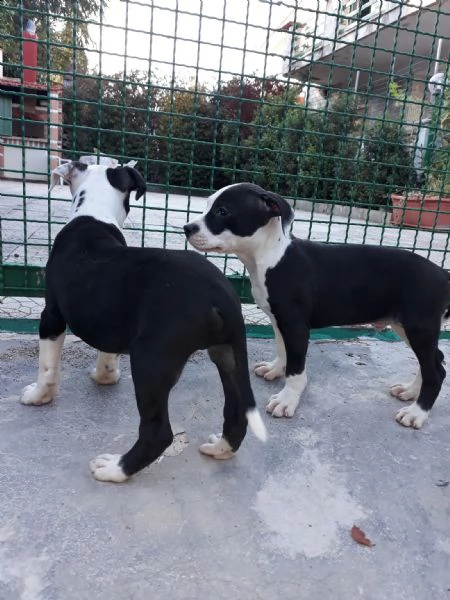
<point>222,212</point>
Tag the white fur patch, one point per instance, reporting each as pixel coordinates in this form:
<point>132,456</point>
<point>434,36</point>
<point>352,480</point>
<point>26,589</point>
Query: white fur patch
<point>216,194</point>
<point>408,391</point>
<point>400,332</point>
<point>412,416</point>
<point>270,369</point>
<point>101,201</point>
<point>46,386</point>
<point>204,240</point>
<point>217,447</point>
<point>256,424</point>
<point>106,468</point>
<point>285,402</point>
<point>106,370</point>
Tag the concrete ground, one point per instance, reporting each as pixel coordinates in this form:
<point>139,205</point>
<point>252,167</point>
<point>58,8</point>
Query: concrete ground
<point>272,523</point>
<point>162,217</point>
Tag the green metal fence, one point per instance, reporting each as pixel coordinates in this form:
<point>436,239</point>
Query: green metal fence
<point>340,105</point>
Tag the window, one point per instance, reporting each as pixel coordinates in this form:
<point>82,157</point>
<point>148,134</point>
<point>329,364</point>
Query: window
<point>5,114</point>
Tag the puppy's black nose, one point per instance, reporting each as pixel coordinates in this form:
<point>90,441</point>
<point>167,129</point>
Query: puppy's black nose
<point>190,229</point>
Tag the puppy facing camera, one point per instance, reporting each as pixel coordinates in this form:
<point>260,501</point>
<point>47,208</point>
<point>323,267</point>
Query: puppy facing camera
<point>302,285</point>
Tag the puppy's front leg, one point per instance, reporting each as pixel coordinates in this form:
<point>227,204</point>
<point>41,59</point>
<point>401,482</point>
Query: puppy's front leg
<point>295,340</point>
<point>274,368</point>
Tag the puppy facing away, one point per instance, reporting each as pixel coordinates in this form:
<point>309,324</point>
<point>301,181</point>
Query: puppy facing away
<point>301,285</point>
<point>157,305</point>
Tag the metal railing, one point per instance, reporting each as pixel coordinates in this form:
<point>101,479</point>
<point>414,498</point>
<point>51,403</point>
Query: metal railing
<point>333,107</point>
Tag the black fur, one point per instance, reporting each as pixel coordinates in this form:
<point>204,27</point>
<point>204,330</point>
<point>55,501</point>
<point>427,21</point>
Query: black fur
<point>80,201</point>
<point>79,166</point>
<point>350,284</point>
<point>127,179</point>
<point>316,285</point>
<point>227,214</point>
<point>157,305</point>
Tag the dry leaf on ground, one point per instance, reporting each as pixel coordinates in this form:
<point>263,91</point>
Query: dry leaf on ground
<point>360,537</point>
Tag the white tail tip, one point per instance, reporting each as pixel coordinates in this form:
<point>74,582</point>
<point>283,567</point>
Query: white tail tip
<point>256,424</point>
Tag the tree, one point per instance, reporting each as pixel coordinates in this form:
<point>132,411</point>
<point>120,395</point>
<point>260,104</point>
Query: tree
<point>269,155</point>
<point>331,146</point>
<point>117,116</point>
<point>235,105</point>
<point>57,22</point>
<point>185,135</point>
<point>384,165</point>
<point>302,153</point>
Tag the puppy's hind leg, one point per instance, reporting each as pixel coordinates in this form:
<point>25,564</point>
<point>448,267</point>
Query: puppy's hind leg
<point>424,342</point>
<point>153,379</point>
<point>52,332</point>
<point>411,390</point>
<point>239,408</point>
<point>106,370</point>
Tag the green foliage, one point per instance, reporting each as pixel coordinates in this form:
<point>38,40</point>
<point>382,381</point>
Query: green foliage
<point>115,115</point>
<point>267,160</point>
<point>185,131</point>
<point>385,165</point>
<point>302,153</point>
<point>189,137</point>
<point>236,104</point>
<point>332,143</point>
<point>60,24</point>
<point>396,92</point>
<point>438,172</point>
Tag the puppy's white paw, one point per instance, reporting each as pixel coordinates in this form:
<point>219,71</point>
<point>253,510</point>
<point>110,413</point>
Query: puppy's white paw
<point>217,447</point>
<point>405,391</point>
<point>283,404</point>
<point>412,416</point>
<point>37,395</point>
<point>105,377</point>
<point>106,468</point>
<point>270,369</point>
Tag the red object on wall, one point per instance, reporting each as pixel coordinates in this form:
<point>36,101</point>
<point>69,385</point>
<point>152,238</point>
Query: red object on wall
<point>29,56</point>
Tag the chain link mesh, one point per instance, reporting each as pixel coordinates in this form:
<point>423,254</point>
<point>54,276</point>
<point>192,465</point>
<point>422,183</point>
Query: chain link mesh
<point>340,105</point>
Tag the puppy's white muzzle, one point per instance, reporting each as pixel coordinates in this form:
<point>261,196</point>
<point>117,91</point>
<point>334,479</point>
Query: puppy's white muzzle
<point>202,239</point>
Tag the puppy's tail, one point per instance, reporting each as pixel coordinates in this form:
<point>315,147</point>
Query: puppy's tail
<point>256,424</point>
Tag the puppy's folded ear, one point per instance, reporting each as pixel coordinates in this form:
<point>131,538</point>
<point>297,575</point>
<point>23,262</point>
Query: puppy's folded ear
<point>279,207</point>
<point>138,182</point>
<point>127,179</point>
<point>65,171</point>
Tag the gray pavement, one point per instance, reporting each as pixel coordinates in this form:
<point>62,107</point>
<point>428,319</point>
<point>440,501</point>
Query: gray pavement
<point>159,219</point>
<point>272,523</point>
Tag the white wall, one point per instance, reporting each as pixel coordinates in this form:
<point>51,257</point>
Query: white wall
<point>35,160</point>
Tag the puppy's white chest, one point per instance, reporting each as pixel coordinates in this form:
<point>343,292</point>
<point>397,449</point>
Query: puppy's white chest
<point>258,267</point>
<point>259,291</point>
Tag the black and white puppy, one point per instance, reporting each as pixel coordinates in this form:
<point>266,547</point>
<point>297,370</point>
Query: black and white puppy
<point>302,285</point>
<point>157,305</point>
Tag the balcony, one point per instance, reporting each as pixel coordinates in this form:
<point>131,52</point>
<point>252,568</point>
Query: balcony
<point>373,36</point>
